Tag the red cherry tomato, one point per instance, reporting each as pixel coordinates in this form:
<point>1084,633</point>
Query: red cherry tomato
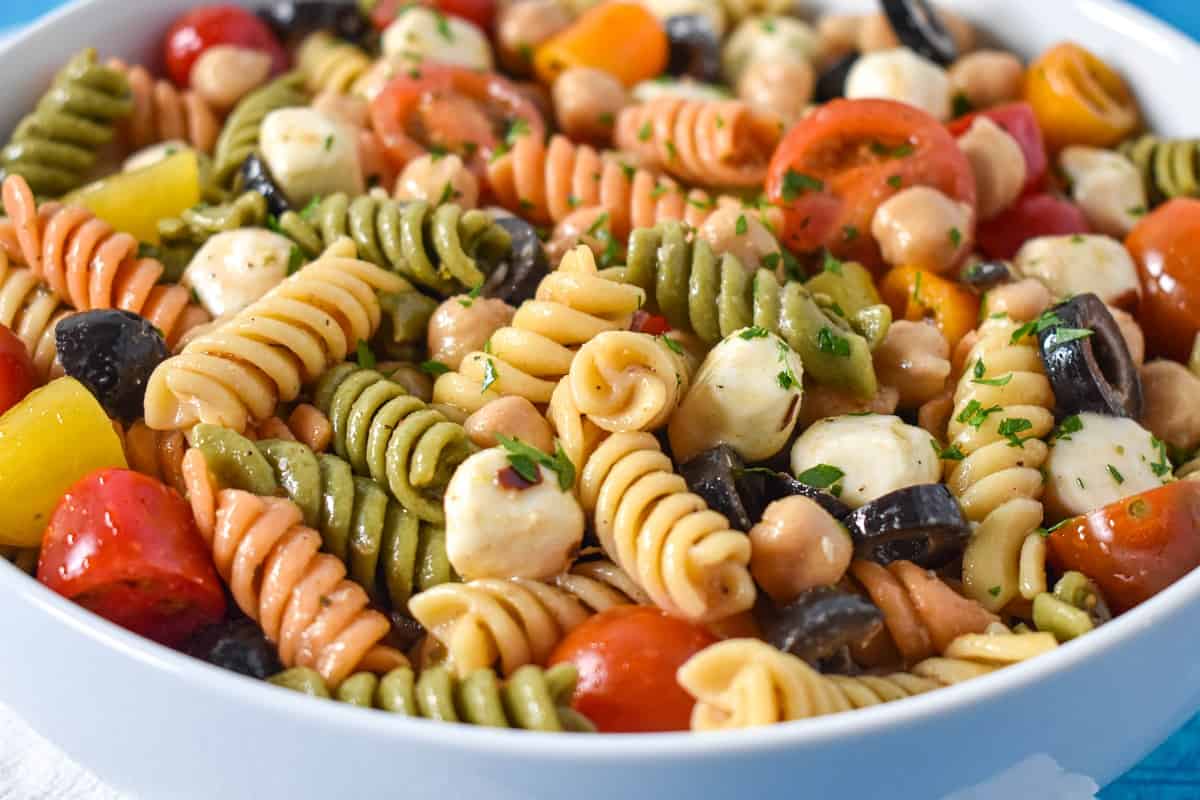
<point>1166,247</point>
<point>1031,216</point>
<point>17,374</point>
<point>627,658</point>
<point>480,12</point>
<point>1021,123</point>
<point>201,28</point>
<point>1136,547</point>
<point>645,322</point>
<point>124,546</point>
<point>836,166</point>
<point>384,12</point>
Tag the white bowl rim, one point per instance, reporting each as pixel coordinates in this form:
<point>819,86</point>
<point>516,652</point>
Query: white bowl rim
<point>617,748</point>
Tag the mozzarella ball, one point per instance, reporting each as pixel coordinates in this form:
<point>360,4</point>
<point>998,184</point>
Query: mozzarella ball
<point>904,76</point>
<point>781,40</point>
<point>235,268</point>
<point>1107,188</point>
<point>1171,409</point>
<point>149,156</point>
<point>998,163</point>
<point>422,34</point>
<point>586,102</point>
<point>310,154</point>
<point>712,10</point>
<point>876,455</point>
<point>914,357</point>
<point>514,417</point>
<point>224,74</point>
<point>796,546</point>
<point>783,89</point>
<point>1108,459</point>
<point>1071,265</point>
<point>741,233</point>
<point>987,78</point>
<point>922,227</point>
<point>684,88</point>
<point>746,395</point>
<point>522,26</point>
<point>498,525</point>
<point>438,179</point>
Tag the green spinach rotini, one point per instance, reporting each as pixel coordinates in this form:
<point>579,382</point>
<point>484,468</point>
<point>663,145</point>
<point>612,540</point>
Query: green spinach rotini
<point>1169,167</point>
<point>180,237</point>
<point>239,137</point>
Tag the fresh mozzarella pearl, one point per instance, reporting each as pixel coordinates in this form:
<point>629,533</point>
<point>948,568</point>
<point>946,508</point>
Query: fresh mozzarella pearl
<point>746,395</point>
<point>1070,265</point>
<point>782,40</point>
<point>904,76</point>
<point>877,454</point>
<point>310,154</point>
<point>499,526</point>
<point>1107,188</point>
<point>421,34</point>
<point>235,268</point>
<point>1110,458</point>
<point>149,156</point>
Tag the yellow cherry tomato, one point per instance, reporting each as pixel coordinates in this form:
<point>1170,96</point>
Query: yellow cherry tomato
<point>916,294</point>
<point>133,202</point>
<point>623,39</point>
<point>1079,100</point>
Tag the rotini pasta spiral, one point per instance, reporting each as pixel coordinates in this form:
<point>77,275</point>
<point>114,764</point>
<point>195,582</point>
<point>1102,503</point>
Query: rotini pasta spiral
<point>393,437</point>
<point>89,265</point>
<point>531,698</point>
<point>741,683</point>
<point>1169,167</point>
<point>30,310</point>
<point>158,454</point>
<point>330,64</point>
<point>685,556</point>
<point>441,248</point>
<point>511,622</point>
<point>627,381</point>
<point>180,237</point>
<point>577,435</point>
<point>572,305</point>
<point>56,145</point>
<point>306,424</point>
<point>239,136</point>
<point>299,596</point>
<point>713,296</point>
<point>161,112</point>
<point>709,142</point>
<point>237,372</point>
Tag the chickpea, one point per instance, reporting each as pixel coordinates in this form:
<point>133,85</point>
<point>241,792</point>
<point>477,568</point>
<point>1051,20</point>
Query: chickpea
<point>998,164</point>
<point>586,102</point>
<point>514,417</point>
<point>777,87</point>
<point>838,34</point>
<point>721,232</point>
<point>1022,300</point>
<point>914,358</point>
<point>875,33</point>
<point>987,78</point>
<point>578,227</point>
<point>824,401</point>
<point>522,26</point>
<point>349,108</point>
<point>797,545</point>
<point>1171,412</point>
<point>437,179</point>
<point>961,31</point>
<point>918,227</point>
<point>934,415</point>
<point>224,74</point>
<point>462,325</point>
<point>1131,332</point>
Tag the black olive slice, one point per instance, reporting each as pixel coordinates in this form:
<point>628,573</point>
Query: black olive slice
<point>695,50</point>
<point>237,645</point>
<point>292,19</point>
<point>831,84</point>
<point>1087,361</point>
<point>821,621</point>
<point>515,279</point>
<point>255,176</point>
<point>112,353</point>
<point>714,476</point>
<point>923,524</point>
<point>982,276</point>
<point>778,485</point>
<point>918,27</point>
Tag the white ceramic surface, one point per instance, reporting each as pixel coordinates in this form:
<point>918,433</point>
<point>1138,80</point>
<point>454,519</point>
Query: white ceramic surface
<point>160,725</point>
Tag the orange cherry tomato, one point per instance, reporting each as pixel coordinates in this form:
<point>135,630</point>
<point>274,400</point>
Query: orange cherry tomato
<point>1078,99</point>
<point>916,294</point>
<point>836,166</point>
<point>627,658</point>
<point>1136,547</point>
<point>623,39</point>
<point>1166,247</point>
<point>451,108</point>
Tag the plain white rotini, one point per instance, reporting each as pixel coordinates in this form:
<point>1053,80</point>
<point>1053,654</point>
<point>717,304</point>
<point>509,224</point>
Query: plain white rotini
<point>577,434</point>
<point>684,555</point>
<point>628,381</point>
<point>30,310</point>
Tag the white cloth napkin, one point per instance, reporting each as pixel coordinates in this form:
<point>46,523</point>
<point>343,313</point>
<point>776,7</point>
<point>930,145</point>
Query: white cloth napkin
<point>33,769</point>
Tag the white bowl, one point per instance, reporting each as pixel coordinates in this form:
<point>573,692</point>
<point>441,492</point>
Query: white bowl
<point>161,725</point>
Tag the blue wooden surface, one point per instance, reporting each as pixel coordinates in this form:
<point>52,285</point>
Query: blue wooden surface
<point>1172,772</point>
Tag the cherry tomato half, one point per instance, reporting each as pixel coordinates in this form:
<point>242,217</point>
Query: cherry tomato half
<point>1136,547</point>
<point>204,27</point>
<point>124,546</point>
<point>1021,123</point>
<point>835,167</point>
<point>645,322</point>
<point>17,374</point>
<point>915,294</point>
<point>480,12</point>
<point>1031,216</point>
<point>1166,247</point>
<point>627,658</point>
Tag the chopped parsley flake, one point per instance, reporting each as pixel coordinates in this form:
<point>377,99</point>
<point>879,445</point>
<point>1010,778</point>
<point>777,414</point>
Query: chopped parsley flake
<point>1047,320</point>
<point>1064,336</point>
<point>786,378</point>
<point>822,476</point>
<point>434,368</point>
<point>741,226</point>
<point>895,181</point>
<point>797,183</point>
<point>329,142</point>
<point>1161,467</point>
<point>466,302</point>
<point>364,356</point>
<point>443,26</point>
<point>1069,425</point>
<point>489,375</point>
<point>832,344</point>
<point>1116,474</point>
<point>975,414</point>
<point>1009,428</point>
<point>832,264</point>
<point>295,260</point>
<point>955,237</point>
<point>994,591</point>
<point>849,233</point>
<point>979,372</point>
<point>754,332</point>
<point>900,151</point>
<point>671,344</point>
<point>644,132</point>
<point>525,458</point>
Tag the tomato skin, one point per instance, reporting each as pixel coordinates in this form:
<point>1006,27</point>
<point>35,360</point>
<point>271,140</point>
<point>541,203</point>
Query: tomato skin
<point>839,145</point>
<point>645,322</point>
<point>17,374</point>
<point>1031,216</point>
<point>627,658</point>
<point>1166,247</point>
<point>1136,547</point>
<point>915,294</point>
<point>126,547</point>
<point>1079,99</point>
<point>1021,123</point>
<point>201,28</point>
<point>480,12</point>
